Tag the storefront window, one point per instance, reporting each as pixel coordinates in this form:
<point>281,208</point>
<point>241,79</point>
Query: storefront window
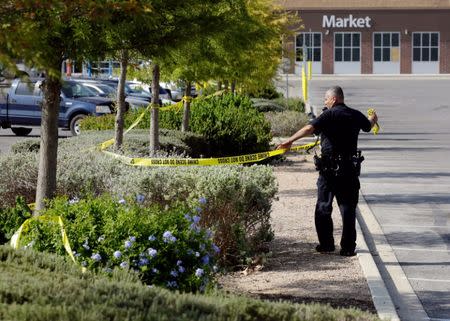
<point>386,46</point>
<point>425,46</point>
<point>347,46</point>
<point>312,43</point>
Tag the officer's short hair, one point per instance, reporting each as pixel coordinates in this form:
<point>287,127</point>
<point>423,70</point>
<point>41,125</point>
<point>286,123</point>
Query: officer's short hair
<point>337,92</point>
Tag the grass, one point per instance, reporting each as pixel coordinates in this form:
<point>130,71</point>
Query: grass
<point>38,286</point>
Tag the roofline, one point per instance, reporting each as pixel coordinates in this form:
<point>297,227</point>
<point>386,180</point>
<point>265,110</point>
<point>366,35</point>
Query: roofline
<point>309,5</point>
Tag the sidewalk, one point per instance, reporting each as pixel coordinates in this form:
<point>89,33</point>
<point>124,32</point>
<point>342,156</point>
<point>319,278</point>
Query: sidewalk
<point>294,271</point>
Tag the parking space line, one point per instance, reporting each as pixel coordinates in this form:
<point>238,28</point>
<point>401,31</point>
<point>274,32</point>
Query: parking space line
<point>424,249</point>
<point>429,280</point>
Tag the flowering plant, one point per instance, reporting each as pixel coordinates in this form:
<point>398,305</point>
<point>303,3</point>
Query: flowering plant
<point>165,246</point>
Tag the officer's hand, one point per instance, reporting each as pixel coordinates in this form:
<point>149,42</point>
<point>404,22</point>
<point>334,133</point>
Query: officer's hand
<point>373,118</point>
<point>285,145</point>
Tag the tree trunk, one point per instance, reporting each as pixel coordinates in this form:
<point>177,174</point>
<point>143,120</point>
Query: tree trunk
<point>233,86</point>
<point>225,83</point>
<point>219,85</point>
<point>46,183</point>
<point>187,107</point>
<point>154,120</point>
<point>120,115</point>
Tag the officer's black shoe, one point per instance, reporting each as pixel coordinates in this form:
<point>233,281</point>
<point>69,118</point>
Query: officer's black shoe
<point>344,252</point>
<point>325,249</point>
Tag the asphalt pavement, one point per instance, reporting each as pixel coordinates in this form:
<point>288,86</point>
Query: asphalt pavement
<point>406,182</point>
<point>7,137</point>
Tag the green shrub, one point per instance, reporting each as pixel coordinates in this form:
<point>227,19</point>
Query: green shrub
<point>268,92</point>
<point>135,144</point>
<point>239,197</point>
<point>11,218</point>
<point>265,105</point>
<point>286,123</point>
<point>231,125</point>
<point>165,246</point>
<point>294,104</point>
<point>170,119</point>
<point>27,145</point>
<point>42,287</point>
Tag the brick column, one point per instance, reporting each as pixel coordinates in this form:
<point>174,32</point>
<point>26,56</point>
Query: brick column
<point>366,53</point>
<point>328,53</point>
<point>405,53</point>
<point>444,52</point>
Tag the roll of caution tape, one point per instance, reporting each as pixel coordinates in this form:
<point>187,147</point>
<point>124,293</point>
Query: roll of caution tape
<point>376,127</point>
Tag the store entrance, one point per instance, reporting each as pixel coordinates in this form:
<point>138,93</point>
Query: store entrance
<point>386,52</point>
<point>347,52</point>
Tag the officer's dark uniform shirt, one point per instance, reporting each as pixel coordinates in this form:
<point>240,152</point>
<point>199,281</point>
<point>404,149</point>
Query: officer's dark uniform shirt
<point>339,128</point>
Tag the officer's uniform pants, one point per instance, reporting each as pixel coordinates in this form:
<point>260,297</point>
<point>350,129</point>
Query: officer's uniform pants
<point>345,188</point>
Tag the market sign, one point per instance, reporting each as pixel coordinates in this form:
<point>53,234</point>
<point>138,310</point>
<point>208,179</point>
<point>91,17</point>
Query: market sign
<point>347,22</point>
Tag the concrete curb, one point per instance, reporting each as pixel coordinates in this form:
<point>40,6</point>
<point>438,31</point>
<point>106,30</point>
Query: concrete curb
<point>380,295</point>
<point>383,271</point>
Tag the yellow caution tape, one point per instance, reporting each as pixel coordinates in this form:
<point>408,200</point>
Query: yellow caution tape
<point>178,105</point>
<point>15,239</point>
<point>187,99</point>
<point>376,127</point>
<point>231,160</point>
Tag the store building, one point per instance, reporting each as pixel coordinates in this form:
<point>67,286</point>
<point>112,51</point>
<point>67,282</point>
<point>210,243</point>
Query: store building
<point>371,37</point>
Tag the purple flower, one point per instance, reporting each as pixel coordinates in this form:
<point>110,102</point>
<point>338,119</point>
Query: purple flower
<point>196,219</point>
<point>86,246</point>
<point>168,237</point>
<point>143,261</point>
<point>117,254</point>
<point>154,270</point>
<point>199,272</point>
<point>198,209</point>
<point>209,233</point>
<point>152,252</point>
<point>188,217</point>
<point>172,284</point>
<point>179,262</point>
<point>195,227</point>
<point>151,238</point>
<point>202,200</point>
<point>215,248</point>
<point>128,244</point>
<point>197,254</point>
<point>174,273</point>
<point>205,260</point>
<point>181,269</point>
<point>140,198</point>
<point>132,238</point>
<point>122,201</point>
<point>96,257</point>
<point>124,265</point>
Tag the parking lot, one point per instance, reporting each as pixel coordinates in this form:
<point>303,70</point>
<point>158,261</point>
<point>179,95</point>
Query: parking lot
<point>405,180</point>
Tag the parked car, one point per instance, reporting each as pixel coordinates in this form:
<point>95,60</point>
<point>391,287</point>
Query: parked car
<point>21,103</point>
<point>140,88</point>
<point>177,92</point>
<point>104,90</point>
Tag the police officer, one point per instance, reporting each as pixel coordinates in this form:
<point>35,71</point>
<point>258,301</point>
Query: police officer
<point>338,165</point>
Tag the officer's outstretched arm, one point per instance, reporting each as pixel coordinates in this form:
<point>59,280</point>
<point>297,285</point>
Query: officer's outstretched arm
<point>305,131</point>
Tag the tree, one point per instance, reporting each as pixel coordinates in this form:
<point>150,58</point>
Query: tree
<point>246,49</point>
<point>43,34</point>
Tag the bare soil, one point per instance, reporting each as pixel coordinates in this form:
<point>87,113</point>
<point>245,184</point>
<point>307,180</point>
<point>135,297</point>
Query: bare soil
<point>293,271</point>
